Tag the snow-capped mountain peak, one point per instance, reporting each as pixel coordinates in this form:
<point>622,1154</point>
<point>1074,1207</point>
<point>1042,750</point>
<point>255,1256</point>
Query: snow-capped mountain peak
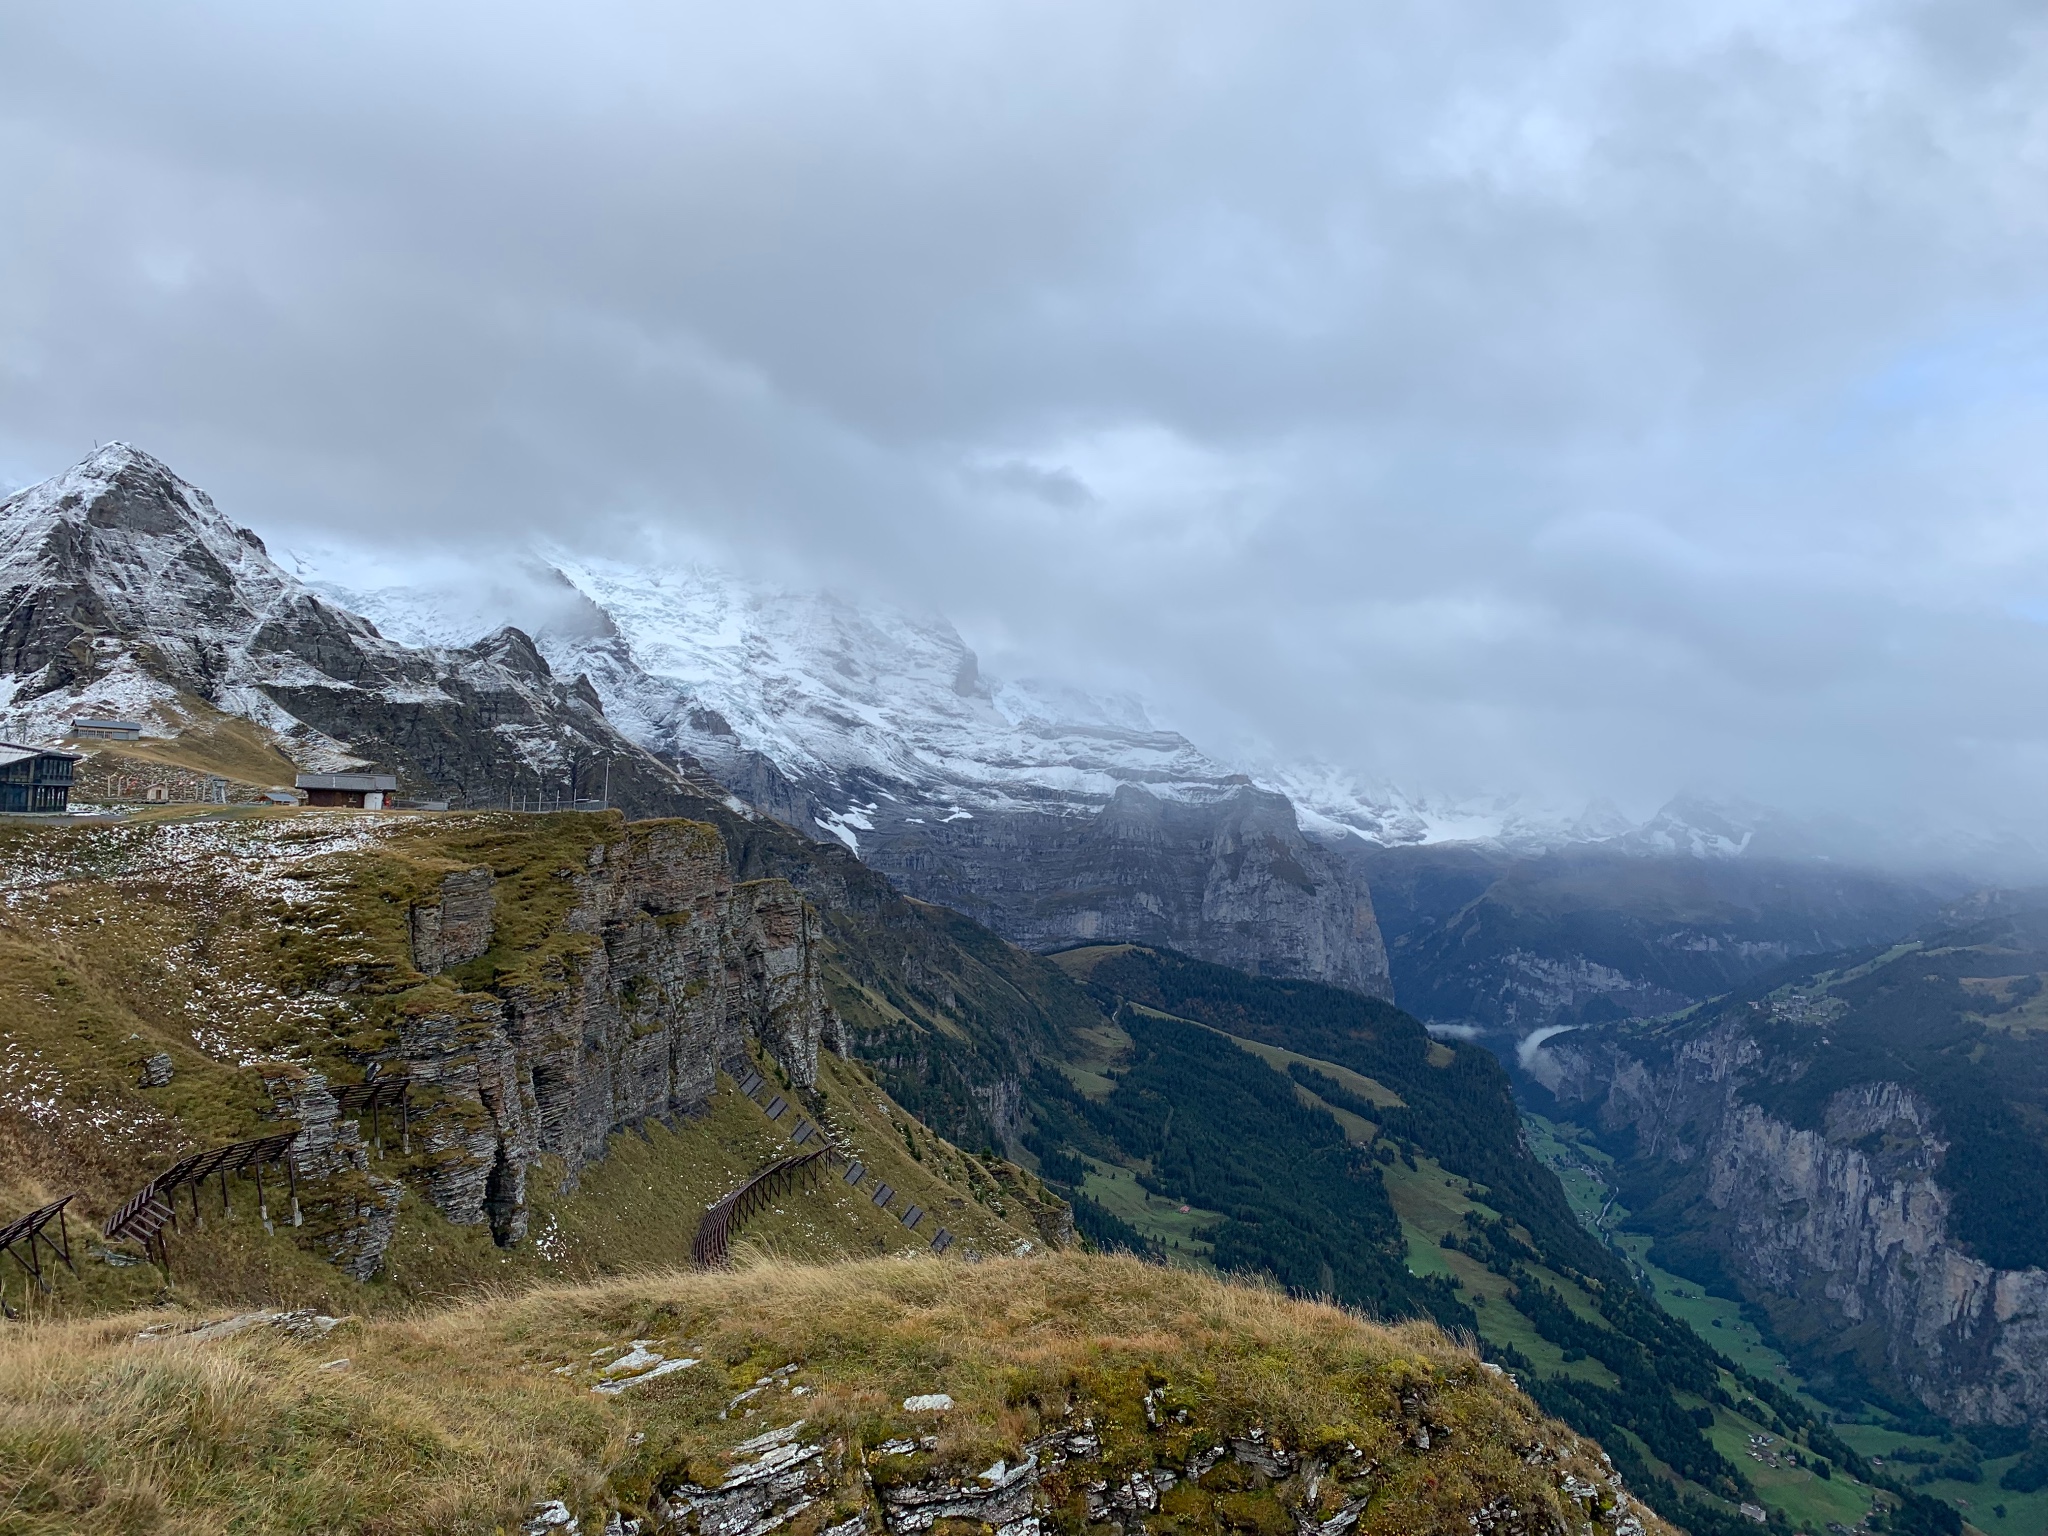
<point>125,591</point>
<point>173,599</point>
<point>847,702</point>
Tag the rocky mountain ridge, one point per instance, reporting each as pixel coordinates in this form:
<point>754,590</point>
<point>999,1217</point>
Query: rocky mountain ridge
<point>1053,815</point>
<point>1050,815</point>
<point>839,698</point>
<point>125,592</point>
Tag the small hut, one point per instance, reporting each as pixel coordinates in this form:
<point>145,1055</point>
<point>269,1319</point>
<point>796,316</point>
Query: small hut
<point>359,791</point>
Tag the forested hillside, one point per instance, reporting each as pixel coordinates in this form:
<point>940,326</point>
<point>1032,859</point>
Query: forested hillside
<point>1391,1172</point>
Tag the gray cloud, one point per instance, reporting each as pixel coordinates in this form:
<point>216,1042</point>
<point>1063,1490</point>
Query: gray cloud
<point>1552,396</point>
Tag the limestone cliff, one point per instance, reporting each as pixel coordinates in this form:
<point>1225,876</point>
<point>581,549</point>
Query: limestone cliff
<point>1843,1228</point>
<point>1233,880</point>
<point>662,967</point>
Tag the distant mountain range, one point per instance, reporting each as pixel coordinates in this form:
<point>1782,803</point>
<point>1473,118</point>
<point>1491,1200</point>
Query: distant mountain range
<point>863,718</point>
<point>1055,816</point>
<point>853,704</point>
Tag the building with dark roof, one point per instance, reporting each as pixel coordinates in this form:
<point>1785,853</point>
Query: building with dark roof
<point>107,730</point>
<point>35,778</point>
<point>362,791</point>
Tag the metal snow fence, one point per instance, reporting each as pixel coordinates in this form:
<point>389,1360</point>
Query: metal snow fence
<point>21,1237</point>
<point>151,1208</point>
<point>375,1096</point>
<point>711,1248</point>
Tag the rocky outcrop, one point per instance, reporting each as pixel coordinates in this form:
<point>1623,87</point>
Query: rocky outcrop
<point>1232,880</point>
<point>1069,1477</point>
<point>662,967</point>
<point>457,928</point>
<point>1850,1217</point>
<point>352,1211</point>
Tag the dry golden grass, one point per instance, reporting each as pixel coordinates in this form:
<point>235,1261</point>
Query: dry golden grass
<point>210,743</point>
<point>456,1420</point>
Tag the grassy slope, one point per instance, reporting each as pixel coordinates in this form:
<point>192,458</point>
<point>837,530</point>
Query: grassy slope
<point>199,936</point>
<point>1279,1183</point>
<point>209,743</point>
<point>458,1420</point>
<point>214,744</point>
<point>1429,1201</point>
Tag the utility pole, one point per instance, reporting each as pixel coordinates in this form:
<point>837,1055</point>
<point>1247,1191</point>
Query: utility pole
<point>607,781</point>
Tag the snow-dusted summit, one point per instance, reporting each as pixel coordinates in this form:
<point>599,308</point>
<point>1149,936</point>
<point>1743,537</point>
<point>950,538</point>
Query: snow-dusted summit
<point>124,591</point>
<point>1054,815</point>
<point>852,705</point>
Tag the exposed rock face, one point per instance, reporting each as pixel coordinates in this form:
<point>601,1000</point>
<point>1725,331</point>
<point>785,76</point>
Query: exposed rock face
<point>663,967</point>
<point>1068,1476</point>
<point>457,928</point>
<point>1051,815</point>
<point>353,1211</point>
<point>1232,880</point>
<point>1851,1216</point>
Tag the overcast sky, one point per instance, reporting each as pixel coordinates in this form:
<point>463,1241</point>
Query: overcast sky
<point>1587,398</point>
